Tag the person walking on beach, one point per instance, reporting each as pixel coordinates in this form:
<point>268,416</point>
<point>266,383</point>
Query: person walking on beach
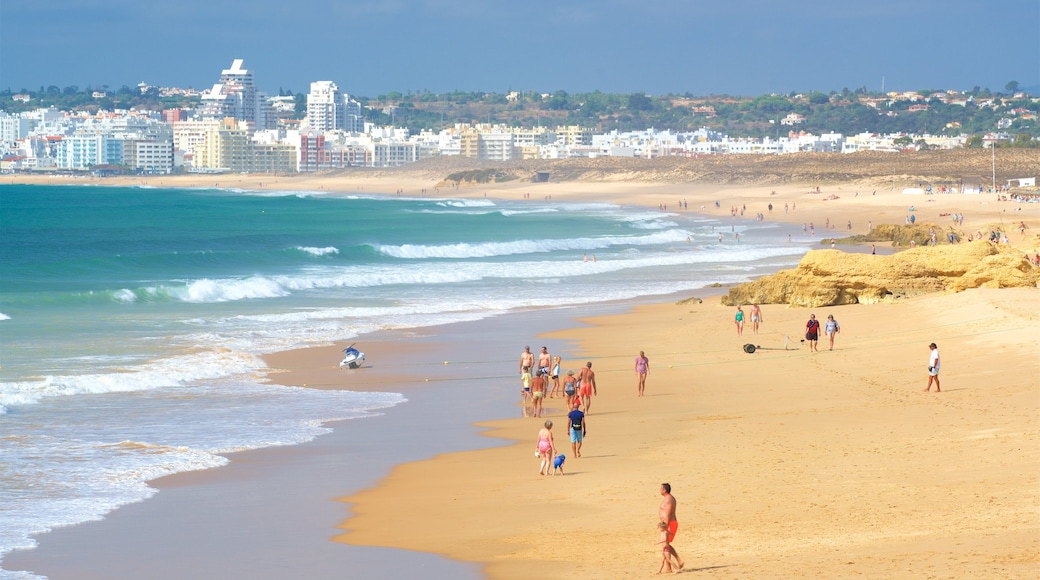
<point>666,514</point>
<point>587,378</point>
<point>526,359</point>
<point>812,332</point>
<point>525,383</point>
<point>546,447</point>
<point>576,428</point>
<point>739,320</point>
<point>933,368</point>
<point>537,393</point>
<point>642,368</point>
<point>666,549</point>
<point>570,388</point>
<point>831,327</point>
<point>555,377</point>
<point>544,361</point>
<point>756,317</point>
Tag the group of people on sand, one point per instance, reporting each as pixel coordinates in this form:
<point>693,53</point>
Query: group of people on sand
<point>667,525</point>
<point>535,387</point>
<point>578,391</point>
<point>812,331</point>
<point>756,319</point>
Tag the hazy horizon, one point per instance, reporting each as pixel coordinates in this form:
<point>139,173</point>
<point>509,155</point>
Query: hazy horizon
<point>741,48</point>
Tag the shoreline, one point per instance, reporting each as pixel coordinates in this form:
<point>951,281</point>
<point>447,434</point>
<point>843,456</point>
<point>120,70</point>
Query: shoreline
<point>862,203</point>
<point>567,191</point>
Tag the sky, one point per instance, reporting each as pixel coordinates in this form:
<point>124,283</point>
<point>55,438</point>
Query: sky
<point>372,47</point>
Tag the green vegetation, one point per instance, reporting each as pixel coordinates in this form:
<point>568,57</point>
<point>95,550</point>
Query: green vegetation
<point>479,176</point>
<point>975,112</point>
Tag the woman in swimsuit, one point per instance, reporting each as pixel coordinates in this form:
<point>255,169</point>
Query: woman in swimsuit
<point>569,388</point>
<point>555,378</point>
<point>546,447</point>
<point>642,368</point>
<point>739,319</point>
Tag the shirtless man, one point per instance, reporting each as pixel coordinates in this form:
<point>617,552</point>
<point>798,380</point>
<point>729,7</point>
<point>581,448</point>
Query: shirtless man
<point>756,317</point>
<point>544,362</point>
<point>667,514</point>
<point>587,379</point>
<point>526,359</point>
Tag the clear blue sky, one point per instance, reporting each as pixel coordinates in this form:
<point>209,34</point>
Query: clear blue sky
<point>371,47</point>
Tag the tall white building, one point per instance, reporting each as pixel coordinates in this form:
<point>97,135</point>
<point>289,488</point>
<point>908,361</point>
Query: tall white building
<point>330,110</point>
<point>236,96</point>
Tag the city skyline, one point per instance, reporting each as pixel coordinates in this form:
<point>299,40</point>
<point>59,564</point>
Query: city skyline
<point>742,47</point>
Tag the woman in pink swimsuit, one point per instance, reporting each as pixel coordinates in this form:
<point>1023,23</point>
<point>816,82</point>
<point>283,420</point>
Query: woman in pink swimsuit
<point>642,368</point>
<point>546,447</point>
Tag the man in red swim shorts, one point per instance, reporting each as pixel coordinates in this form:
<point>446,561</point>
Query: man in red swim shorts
<point>587,380</point>
<point>667,515</point>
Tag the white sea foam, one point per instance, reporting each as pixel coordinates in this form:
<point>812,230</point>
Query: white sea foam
<point>125,295</point>
<point>164,372</point>
<point>489,249</point>
<point>466,203</point>
<point>60,477</point>
<point>440,273</point>
<point>4,316</point>
<point>318,251</point>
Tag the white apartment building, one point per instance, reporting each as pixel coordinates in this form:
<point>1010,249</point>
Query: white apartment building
<point>236,96</point>
<point>390,154</point>
<point>188,134</point>
<point>79,152</point>
<point>153,157</point>
<point>330,110</point>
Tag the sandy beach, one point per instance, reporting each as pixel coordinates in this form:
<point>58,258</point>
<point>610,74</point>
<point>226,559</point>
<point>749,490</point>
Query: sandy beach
<point>784,462</point>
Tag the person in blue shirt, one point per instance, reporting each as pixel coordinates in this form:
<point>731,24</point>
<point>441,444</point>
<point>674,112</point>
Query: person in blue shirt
<point>576,427</point>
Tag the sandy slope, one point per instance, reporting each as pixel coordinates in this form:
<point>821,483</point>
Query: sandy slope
<point>784,463</point>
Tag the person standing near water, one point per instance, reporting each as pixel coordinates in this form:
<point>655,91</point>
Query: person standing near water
<point>526,359</point>
<point>642,368</point>
<point>739,320</point>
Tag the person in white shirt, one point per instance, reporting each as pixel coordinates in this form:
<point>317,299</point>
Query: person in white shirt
<point>933,368</point>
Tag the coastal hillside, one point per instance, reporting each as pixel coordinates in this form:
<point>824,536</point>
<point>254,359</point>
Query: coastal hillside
<point>892,170</point>
<point>832,277</point>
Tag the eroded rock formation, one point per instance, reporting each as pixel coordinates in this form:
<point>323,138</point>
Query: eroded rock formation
<point>831,277</point>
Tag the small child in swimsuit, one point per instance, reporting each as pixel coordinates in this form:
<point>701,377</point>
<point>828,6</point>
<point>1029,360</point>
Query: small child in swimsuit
<point>666,553</point>
<point>525,381</point>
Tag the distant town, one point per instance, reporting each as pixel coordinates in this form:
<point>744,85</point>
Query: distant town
<point>232,127</point>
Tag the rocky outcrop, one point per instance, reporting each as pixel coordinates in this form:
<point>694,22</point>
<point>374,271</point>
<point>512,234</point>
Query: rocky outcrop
<point>831,277</point>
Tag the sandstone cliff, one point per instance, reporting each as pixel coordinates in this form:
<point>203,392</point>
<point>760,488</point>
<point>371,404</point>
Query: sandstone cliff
<point>831,277</point>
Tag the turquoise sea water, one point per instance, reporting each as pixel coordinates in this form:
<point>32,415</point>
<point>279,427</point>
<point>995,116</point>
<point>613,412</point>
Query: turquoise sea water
<point>132,319</point>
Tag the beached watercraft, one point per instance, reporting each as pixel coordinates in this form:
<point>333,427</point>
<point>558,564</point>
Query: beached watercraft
<point>352,358</point>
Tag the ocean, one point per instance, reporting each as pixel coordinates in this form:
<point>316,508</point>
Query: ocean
<point>133,319</point>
